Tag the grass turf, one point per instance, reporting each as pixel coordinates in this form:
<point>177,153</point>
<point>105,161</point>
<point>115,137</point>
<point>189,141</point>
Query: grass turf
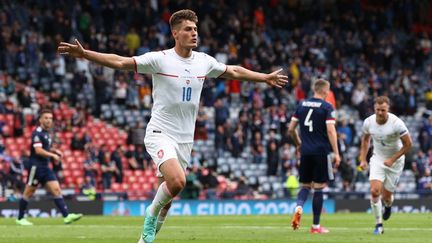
<point>344,228</point>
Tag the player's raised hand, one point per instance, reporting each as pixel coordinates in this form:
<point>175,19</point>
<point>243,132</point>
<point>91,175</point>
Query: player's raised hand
<point>75,50</point>
<point>276,79</point>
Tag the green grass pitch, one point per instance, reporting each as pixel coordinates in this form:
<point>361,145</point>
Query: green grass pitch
<point>350,227</point>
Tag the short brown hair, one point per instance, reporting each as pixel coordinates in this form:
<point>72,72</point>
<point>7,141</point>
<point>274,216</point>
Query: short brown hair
<point>319,85</point>
<point>45,111</point>
<point>382,99</point>
<point>184,14</point>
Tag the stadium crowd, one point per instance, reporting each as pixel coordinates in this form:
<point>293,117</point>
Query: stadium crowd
<point>364,49</point>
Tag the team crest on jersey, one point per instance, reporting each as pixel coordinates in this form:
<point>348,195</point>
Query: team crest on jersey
<point>333,114</point>
<point>188,81</point>
<point>160,154</point>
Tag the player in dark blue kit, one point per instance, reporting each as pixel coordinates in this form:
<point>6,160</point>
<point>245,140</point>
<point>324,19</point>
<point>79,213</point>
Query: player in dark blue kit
<point>316,143</point>
<point>40,173</point>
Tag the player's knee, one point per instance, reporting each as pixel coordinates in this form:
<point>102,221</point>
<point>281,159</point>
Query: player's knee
<point>375,192</point>
<point>176,185</point>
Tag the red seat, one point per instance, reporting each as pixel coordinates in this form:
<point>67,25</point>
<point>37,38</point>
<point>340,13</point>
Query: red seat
<point>116,187</point>
<point>146,187</point>
<point>127,173</point>
<point>142,179</point>
<point>138,173</point>
<point>79,181</point>
<point>66,172</point>
<point>135,187</point>
<point>149,173</point>
<point>132,178</point>
<point>77,173</point>
<point>152,179</point>
<point>74,165</point>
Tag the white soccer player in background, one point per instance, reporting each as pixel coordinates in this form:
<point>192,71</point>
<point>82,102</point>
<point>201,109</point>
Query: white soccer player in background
<point>391,141</point>
<point>178,76</point>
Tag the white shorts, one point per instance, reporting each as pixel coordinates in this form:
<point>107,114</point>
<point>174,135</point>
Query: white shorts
<point>388,175</point>
<point>162,148</point>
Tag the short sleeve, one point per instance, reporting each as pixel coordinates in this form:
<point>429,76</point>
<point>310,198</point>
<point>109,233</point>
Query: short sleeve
<point>295,116</point>
<point>215,68</point>
<point>36,141</point>
<point>331,115</point>
<point>147,63</point>
<point>401,128</point>
<point>365,128</point>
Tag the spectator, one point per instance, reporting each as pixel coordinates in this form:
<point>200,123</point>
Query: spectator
<point>209,183</point>
<point>131,160</point>
<point>272,158</point>
<point>425,182</point>
<point>193,186</point>
<point>116,157</point>
<point>109,170</point>
<point>201,125</point>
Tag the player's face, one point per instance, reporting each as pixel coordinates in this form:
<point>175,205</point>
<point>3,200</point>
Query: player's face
<point>46,120</point>
<point>186,34</point>
<point>381,112</point>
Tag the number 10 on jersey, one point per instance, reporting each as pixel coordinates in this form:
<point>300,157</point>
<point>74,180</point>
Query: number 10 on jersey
<point>187,93</point>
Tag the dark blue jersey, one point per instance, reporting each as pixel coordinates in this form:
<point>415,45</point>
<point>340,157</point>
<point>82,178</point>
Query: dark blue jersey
<point>40,138</point>
<point>313,115</point>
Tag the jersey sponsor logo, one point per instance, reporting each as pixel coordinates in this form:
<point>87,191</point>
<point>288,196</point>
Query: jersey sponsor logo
<point>160,154</point>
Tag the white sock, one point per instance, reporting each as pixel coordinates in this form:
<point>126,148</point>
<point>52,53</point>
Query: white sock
<point>316,226</point>
<point>377,210</point>
<point>162,198</point>
<point>160,221</point>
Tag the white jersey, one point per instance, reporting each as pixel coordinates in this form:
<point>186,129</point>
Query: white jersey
<point>177,85</point>
<point>385,137</point>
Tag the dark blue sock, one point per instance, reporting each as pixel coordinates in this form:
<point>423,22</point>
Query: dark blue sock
<point>317,205</point>
<point>302,196</point>
<point>22,207</point>
<point>59,202</point>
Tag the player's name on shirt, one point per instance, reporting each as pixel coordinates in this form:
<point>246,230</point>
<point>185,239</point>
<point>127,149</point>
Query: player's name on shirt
<point>311,104</point>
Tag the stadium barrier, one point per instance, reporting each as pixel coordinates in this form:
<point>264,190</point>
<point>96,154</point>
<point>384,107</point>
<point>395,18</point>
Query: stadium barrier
<point>46,208</point>
<point>215,207</point>
<point>210,207</point>
<point>421,205</point>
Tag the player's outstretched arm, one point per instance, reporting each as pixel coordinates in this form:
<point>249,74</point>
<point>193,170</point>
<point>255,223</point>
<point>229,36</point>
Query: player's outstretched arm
<point>273,79</point>
<point>109,60</point>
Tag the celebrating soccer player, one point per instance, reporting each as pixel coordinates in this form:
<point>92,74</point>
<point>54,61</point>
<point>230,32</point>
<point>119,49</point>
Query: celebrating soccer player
<point>40,155</point>
<point>316,142</point>
<point>178,77</point>
<point>391,141</point>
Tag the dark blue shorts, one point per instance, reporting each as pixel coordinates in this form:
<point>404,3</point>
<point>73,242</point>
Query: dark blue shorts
<point>40,175</point>
<point>315,168</point>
